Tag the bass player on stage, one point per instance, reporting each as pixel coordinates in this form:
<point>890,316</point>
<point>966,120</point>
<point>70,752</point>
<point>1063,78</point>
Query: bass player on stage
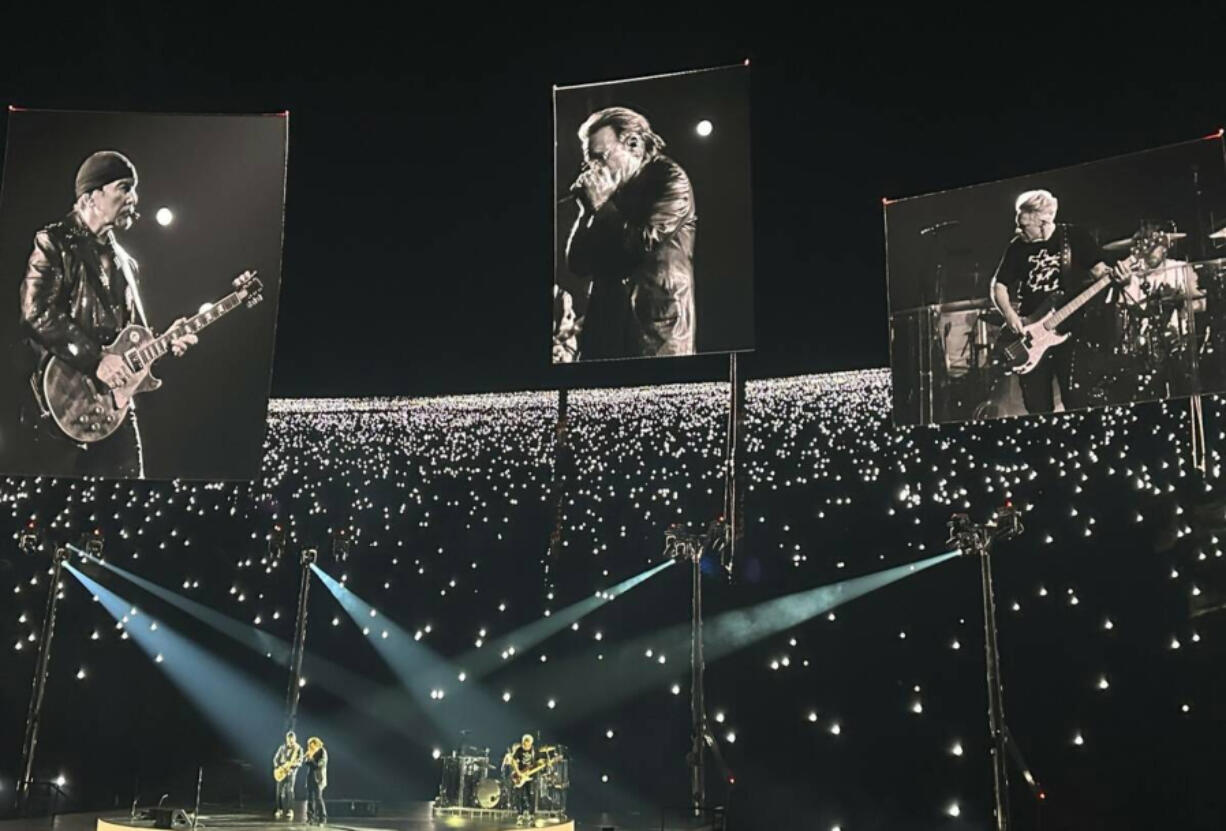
<point>1043,262</point>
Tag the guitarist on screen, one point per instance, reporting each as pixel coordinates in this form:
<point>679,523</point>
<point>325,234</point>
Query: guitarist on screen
<point>1044,263</point>
<point>80,290</point>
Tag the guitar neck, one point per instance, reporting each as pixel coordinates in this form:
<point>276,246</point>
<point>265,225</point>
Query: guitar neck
<point>160,345</point>
<point>1063,313</point>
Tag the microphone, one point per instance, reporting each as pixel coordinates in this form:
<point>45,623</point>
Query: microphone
<point>576,188</point>
<point>940,226</point>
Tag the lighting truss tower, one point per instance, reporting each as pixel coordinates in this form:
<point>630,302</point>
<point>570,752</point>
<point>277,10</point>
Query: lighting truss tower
<point>977,540</point>
<point>682,544</point>
<point>309,556</point>
<point>34,713</point>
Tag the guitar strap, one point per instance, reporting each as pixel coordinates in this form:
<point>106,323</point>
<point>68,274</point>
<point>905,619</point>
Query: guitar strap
<point>1066,255</point>
<point>125,265</point>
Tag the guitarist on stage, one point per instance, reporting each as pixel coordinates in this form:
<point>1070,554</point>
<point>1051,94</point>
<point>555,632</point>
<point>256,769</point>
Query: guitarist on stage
<point>80,289</point>
<point>285,763</point>
<point>1045,261</point>
<point>522,758</point>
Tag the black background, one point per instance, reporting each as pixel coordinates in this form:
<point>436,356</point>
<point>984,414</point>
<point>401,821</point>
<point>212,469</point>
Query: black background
<point>420,190</point>
<point>718,167</point>
<point>224,180</point>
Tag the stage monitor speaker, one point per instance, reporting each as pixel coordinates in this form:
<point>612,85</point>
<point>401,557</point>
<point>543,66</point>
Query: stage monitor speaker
<point>164,817</point>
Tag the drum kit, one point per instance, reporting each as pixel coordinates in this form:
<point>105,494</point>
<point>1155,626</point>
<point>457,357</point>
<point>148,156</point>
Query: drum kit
<point>470,782</point>
<point>955,373</point>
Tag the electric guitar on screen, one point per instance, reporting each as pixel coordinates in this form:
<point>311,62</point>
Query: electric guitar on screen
<point>85,409</point>
<point>1021,353</point>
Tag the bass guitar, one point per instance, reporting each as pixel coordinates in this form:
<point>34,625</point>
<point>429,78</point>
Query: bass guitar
<point>1021,352</point>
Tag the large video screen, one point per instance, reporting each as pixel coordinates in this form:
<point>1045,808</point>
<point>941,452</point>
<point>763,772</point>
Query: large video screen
<point>1096,285</point>
<point>653,226</point>
<point>140,256</point>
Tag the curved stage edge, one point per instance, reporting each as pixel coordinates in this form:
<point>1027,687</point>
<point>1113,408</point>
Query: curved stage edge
<point>416,817</point>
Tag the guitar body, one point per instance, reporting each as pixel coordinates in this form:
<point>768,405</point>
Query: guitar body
<point>81,405</point>
<point>281,771</point>
<point>521,778</point>
<point>1022,353</point>
<point>85,409</point>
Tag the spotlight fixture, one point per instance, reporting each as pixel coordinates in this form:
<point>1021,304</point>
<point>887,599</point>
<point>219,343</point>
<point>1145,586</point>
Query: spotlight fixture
<point>340,545</point>
<point>29,537</point>
<point>93,543</point>
<point>970,538</point>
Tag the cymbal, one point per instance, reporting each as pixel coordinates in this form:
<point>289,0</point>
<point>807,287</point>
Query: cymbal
<point>1220,262</point>
<point>1125,244</point>
<point>1219,234</point>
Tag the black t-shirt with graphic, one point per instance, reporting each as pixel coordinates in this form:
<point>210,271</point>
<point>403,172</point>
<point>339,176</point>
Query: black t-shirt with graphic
<point>523,759</point>
<point>1033,271</point>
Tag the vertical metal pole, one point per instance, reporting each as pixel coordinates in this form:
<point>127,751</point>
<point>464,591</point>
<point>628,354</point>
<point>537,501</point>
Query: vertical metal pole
<point>559,457</point>
<point>996,699</point>
<point>698,796</point>
<point>733,492</point>
<point>295,672</point>
<point>199,785</point>
<point>34,714</point>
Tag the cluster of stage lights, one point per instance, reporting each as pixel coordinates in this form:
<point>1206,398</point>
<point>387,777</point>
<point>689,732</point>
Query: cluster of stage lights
<point>821,454</point>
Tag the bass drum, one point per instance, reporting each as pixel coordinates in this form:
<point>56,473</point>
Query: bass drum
<point>488,793</point>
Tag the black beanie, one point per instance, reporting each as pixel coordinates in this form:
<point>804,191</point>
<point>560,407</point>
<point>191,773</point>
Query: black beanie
<point>101,169</point>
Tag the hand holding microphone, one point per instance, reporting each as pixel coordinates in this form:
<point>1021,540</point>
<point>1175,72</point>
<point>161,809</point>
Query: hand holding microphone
<point>592,188</point>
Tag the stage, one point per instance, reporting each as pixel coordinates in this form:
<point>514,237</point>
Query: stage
<point>412,817</point>
<point>408,817</point>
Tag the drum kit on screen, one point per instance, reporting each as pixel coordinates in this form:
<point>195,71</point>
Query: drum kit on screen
<point>963,375</point>
<point>470,782</point>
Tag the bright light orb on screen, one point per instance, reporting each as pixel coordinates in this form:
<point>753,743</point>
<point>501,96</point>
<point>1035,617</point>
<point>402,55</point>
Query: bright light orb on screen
<point>704,128</point>
<point>164,216</point>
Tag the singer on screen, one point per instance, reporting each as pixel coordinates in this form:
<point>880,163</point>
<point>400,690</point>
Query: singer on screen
<point>634,239</point>
<point>79,291</point>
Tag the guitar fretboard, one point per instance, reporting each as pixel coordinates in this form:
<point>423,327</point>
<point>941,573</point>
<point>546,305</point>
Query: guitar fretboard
<point>160,345</point>
<point>1077,302</point>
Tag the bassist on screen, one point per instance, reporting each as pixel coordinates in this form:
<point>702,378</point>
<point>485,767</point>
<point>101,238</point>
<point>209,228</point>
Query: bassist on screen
<point>1045,261</point>
<point>80,289</point>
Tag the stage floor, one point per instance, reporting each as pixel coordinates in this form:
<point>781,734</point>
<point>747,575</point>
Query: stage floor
<point>412,817</point>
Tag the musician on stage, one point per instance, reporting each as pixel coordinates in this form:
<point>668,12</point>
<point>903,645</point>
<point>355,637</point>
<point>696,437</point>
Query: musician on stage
<point>80,289</point>
<point>1045,261</point>
<point>316,762</point>
<point>286,760</point>
<point>634,238</point>
<point>521,758</point>
<point>1157,304</point>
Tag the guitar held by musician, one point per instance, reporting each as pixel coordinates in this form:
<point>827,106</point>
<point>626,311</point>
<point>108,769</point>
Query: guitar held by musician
<point>1044,263</point>
<point>89,408</point>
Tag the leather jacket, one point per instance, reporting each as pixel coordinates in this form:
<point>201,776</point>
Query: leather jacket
<point>638,250</point>
<point>75,297</point>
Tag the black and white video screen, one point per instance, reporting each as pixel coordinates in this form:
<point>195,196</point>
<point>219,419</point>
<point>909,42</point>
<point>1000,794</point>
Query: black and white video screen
<point>653,225</point>
<point>1096,285</point>
<point>140,256</point>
